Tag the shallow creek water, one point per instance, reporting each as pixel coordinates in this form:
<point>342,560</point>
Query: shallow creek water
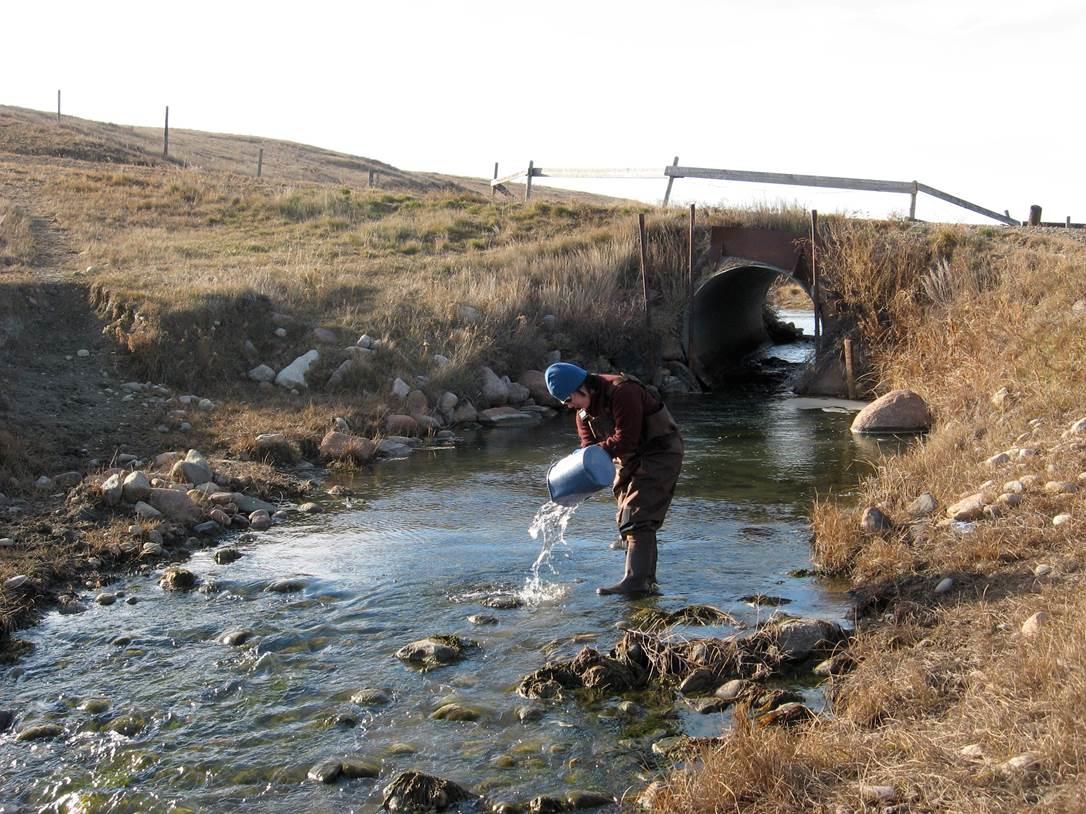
<point>422,542</point>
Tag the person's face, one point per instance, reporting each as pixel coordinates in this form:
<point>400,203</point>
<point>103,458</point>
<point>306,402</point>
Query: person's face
<point>578,400</point>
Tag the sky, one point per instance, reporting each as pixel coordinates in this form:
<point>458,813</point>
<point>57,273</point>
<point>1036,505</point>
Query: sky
<point>979,98</point>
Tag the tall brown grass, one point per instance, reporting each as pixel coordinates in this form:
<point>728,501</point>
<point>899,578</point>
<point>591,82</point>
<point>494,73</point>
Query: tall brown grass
<point>16,239</point>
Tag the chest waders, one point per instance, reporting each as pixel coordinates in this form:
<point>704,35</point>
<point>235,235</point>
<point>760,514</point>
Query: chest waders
<point>644,485</point>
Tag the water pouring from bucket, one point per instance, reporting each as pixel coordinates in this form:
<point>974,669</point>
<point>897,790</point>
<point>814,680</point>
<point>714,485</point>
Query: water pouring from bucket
<point>570,482</point>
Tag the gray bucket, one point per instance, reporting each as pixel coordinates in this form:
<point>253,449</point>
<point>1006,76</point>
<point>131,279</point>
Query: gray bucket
<point>579,475</point>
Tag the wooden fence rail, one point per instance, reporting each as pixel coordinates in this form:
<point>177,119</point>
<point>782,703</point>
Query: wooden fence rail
<point>674,170</point>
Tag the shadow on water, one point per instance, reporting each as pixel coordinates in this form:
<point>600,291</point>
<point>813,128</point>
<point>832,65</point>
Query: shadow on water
<point>425,544</point>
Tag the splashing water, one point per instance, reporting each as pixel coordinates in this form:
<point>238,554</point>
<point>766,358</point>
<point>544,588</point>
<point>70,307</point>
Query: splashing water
<point>550,522</point>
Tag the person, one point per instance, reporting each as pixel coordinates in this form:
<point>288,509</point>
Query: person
<point>637,431</point>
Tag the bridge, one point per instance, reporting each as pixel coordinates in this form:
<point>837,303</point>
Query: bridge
<point>725,320</point>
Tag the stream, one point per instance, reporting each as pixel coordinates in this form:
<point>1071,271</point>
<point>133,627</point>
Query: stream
<point>419,544</point>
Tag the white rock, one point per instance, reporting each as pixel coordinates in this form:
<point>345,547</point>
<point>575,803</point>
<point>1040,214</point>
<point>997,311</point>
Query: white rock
<point>945,584</point>
<point>1000,396</point>
<point>923,506</point>
<point>1025,762</point>
<point>876,794</point>
<point>973,751</point>
<point>112,489</point>
<point>281,333</point>
<point>441,361</point>
<point>1061,519</point>
<point>1060,487</point>
<point>293,375</point>
<point>1042,570</point>
<point>1032,626</point>
<point>1079,426</point>
<point>1027,452</point>
<point>43,483</point>
<point>365,341</point>
<point>262,373</point>
<point>6,542</point>
<point>998,460</point>
<point>136,487</point>
<point>968,508</point>
<point>400,388</point>
<point>17,581</point>
<point>207,405</point>
<point>82,353</point>
<point>1014,486</point>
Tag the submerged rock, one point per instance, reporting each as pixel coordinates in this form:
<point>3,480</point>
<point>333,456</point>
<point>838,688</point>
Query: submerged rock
<point>433,651</point>
<point>40,732</point>
<point>177,579</point>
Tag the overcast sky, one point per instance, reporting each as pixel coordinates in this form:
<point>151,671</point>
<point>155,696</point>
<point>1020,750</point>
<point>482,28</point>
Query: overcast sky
<point>980,98</point>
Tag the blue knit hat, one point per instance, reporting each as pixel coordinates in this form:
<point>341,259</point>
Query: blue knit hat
<point>564,378</point>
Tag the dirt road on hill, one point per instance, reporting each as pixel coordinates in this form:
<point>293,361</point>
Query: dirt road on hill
<point>63,413</point>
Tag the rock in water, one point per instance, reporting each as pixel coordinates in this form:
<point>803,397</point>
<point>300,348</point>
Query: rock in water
<point>415,791</point>
<point>897,411</point>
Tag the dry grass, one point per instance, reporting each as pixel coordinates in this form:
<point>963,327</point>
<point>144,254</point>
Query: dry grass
<point>16,240</point>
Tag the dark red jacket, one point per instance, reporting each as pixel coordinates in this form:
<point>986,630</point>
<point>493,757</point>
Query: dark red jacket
<point>624,402</point>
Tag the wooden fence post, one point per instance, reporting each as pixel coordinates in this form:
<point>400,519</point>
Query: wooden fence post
<point>494,189</point>
<point>1068,222</point>
<point>912,202</point>
<point>670,181</point>
<point>850,371</point>
<point>1035,215</point>
<point>58,106</point>
<point>528,185</point>
<point>260,162</point>
<point>166,134</point>
<point>814,280</point>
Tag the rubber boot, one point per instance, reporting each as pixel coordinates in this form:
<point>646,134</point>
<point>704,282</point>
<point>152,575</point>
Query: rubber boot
<point>640,560</point>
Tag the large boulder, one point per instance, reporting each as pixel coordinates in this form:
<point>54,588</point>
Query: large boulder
<point>415,791</point>
<point>293,375</point>
<point>897,411</point>
<point>536,382</point>
<point>495,391</point>
<point>341,446</point>
<point>799,639</point>
<point>136,487</point>
<point>446,403</point>
<point>399,424</point>
<point>465,413</point>
<point>112,489</point>
<point>175,505</point>
<point>417,404</point>
<point>194,469</point>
